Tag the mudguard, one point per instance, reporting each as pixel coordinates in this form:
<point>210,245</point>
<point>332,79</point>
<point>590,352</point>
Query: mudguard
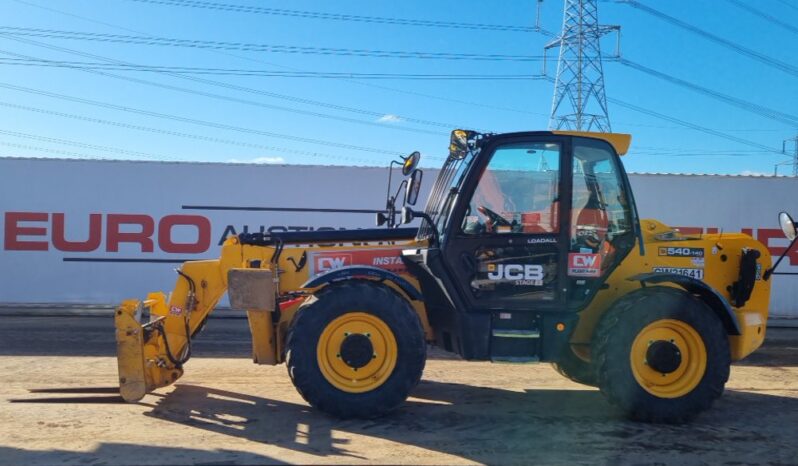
<point>363,271</point>
<point>719,304</point>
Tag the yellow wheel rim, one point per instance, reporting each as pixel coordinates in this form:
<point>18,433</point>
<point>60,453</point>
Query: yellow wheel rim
<point>374,372</point>
<point>691,351</point>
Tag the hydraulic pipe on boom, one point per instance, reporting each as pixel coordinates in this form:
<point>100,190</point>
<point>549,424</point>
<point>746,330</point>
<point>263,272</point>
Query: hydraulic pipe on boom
<point>151,352</point>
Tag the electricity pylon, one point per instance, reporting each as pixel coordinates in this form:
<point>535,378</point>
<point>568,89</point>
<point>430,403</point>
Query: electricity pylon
<point>579,100</point>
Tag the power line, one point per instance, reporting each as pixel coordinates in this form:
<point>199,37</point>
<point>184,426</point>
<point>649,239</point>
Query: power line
<point>760,57</point>
<point>338,16</point>
<point>693,126</point>
<point>197,137</point>
<point>256,104</point>
<point>787,3</point>
<point>197,122</point>
<point>697,154</point>
<point>261,73</point>
<point>469,103</point>
<point>295,99</point>
<point>239,88</point>
<point>72,15</point>
<point>52,151</point>
<point>761,110</point>
<point>687,124</point>
<point>83,145</point>
<point>415,93</point>
<point>250,47</point>
<point>763,15</point>
<point>372,84</point>
<point>660,150</point>
<point>221,126</point>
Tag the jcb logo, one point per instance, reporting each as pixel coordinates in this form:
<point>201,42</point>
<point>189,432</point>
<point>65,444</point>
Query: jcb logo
<point>515,272</point>
<point>332,262</point>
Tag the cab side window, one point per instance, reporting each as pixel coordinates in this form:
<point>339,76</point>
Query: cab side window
<point>517,192</point>
<point>601,219</point>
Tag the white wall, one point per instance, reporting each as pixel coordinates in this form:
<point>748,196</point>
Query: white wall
<point>77,189</point>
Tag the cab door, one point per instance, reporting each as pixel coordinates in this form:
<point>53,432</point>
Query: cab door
<point>508,239</point>
<point>603,224</point>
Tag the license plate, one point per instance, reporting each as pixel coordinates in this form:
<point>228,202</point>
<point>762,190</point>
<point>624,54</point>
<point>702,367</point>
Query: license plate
<point>687,272</point>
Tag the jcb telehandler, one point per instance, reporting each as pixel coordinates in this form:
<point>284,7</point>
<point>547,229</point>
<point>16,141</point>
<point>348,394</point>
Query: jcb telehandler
<point>529,249</point>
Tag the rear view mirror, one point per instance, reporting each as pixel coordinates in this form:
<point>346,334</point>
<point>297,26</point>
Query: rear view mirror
<point>787,226</point>
<point>410,163</point>
<point>413,187</point>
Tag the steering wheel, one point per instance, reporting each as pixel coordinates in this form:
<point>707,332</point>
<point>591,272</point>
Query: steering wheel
<point>495,218</point>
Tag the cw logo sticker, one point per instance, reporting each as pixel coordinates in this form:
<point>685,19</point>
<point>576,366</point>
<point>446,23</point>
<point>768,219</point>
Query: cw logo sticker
<point>325,263</point>
<point>584,265</point>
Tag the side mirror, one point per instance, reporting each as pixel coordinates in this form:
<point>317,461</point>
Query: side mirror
<point>381,219</point>
<point>458,144</point>
<point>787,226</point>
<point>413,187</point>
<point>407,215</point>
<point>410,163</point>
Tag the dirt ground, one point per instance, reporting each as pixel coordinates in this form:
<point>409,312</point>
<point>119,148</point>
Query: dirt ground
<point>64,410</point>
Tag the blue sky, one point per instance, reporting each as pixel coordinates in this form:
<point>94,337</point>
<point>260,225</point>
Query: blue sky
<point>294,120</point>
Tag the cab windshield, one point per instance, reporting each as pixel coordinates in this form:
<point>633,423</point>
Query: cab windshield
<point>444,193</point>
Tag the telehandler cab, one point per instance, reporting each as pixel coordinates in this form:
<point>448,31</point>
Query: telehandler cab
<point>529,249</point>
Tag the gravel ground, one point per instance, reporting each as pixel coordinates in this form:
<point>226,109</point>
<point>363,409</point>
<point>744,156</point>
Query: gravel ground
<point>58,405</point>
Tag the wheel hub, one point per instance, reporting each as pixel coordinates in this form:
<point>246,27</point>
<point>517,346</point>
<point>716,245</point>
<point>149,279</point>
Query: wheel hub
<point>668,358</point>
<point>663,356</point>
<point>357,350</point>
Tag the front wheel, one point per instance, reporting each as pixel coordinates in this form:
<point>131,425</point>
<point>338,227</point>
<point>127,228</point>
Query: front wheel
<point>663,356</point>
<point>356,350</point>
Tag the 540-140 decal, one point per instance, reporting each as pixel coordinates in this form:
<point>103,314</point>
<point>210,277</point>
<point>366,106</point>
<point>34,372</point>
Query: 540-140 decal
<point>681,252</point>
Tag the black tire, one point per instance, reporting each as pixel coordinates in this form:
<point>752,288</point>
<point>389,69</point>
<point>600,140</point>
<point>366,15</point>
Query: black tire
<point>613,342</point>
<point>572,367</point>
<point>333,302</point>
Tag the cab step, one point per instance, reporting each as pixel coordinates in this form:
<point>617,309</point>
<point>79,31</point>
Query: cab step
<point>516,333</point>
<point>516,359</point>
<point>515,337</point>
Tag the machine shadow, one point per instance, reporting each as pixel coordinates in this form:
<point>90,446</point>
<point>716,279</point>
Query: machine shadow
<point>486,424</point>
<point>93,395</point>
<point>116,453</point>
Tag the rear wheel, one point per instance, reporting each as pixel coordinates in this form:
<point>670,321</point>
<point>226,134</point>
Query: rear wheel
<point>662,356</point>
<point>355,350</point>
<point>572,367</point>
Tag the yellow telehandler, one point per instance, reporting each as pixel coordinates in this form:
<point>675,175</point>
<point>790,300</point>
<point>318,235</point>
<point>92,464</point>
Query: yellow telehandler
<point>529,249</point>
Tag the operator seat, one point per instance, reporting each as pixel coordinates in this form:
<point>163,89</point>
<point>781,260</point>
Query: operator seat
<point>594,216</point>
